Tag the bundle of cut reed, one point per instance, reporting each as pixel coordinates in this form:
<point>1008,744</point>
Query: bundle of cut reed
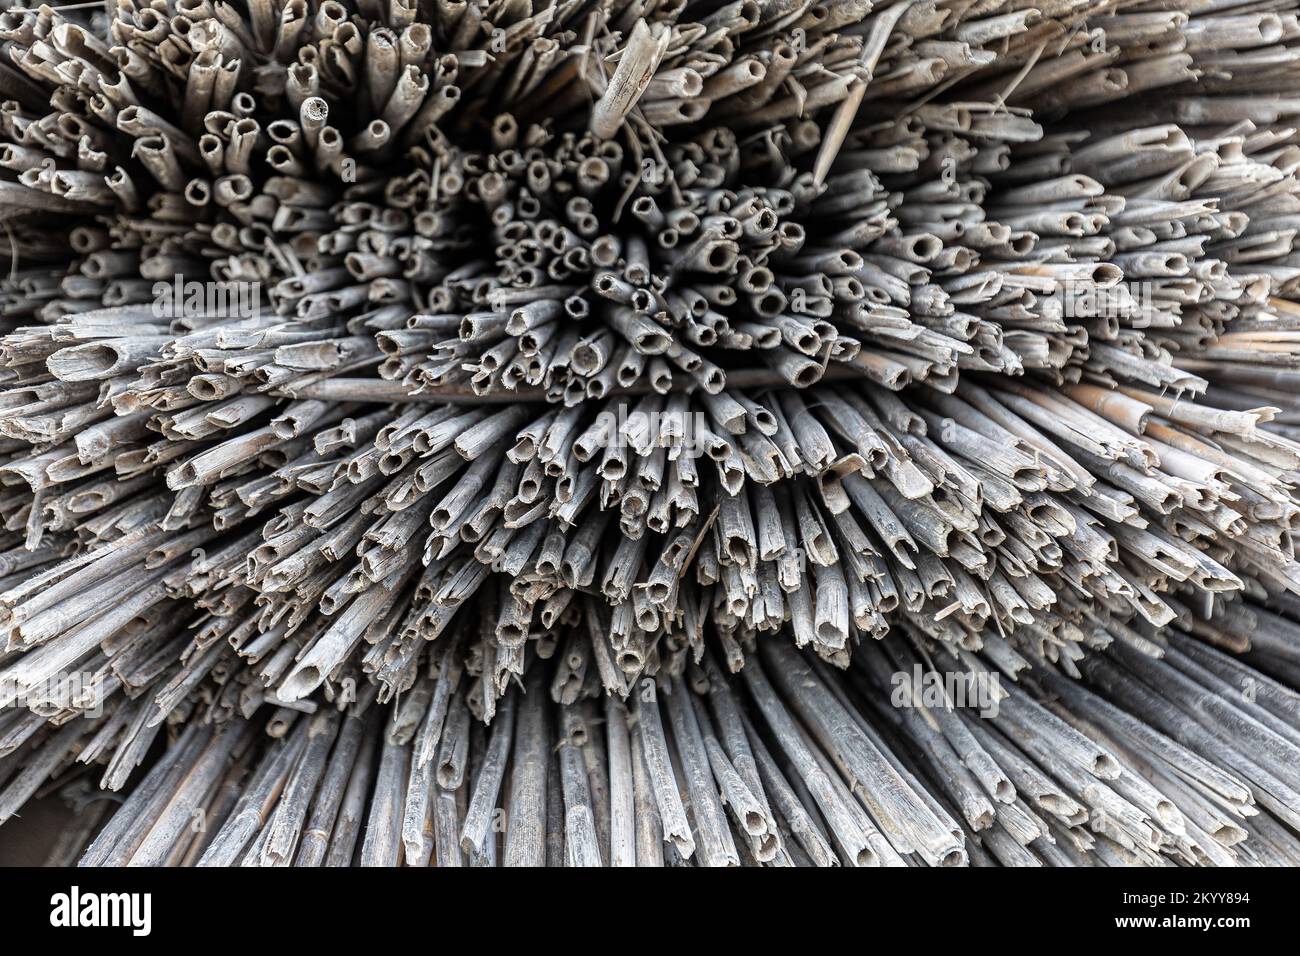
<point>509,432</point>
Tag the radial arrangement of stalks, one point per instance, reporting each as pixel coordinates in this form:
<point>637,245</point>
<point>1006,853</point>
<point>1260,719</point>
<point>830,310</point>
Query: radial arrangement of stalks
<point>652,432</point>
